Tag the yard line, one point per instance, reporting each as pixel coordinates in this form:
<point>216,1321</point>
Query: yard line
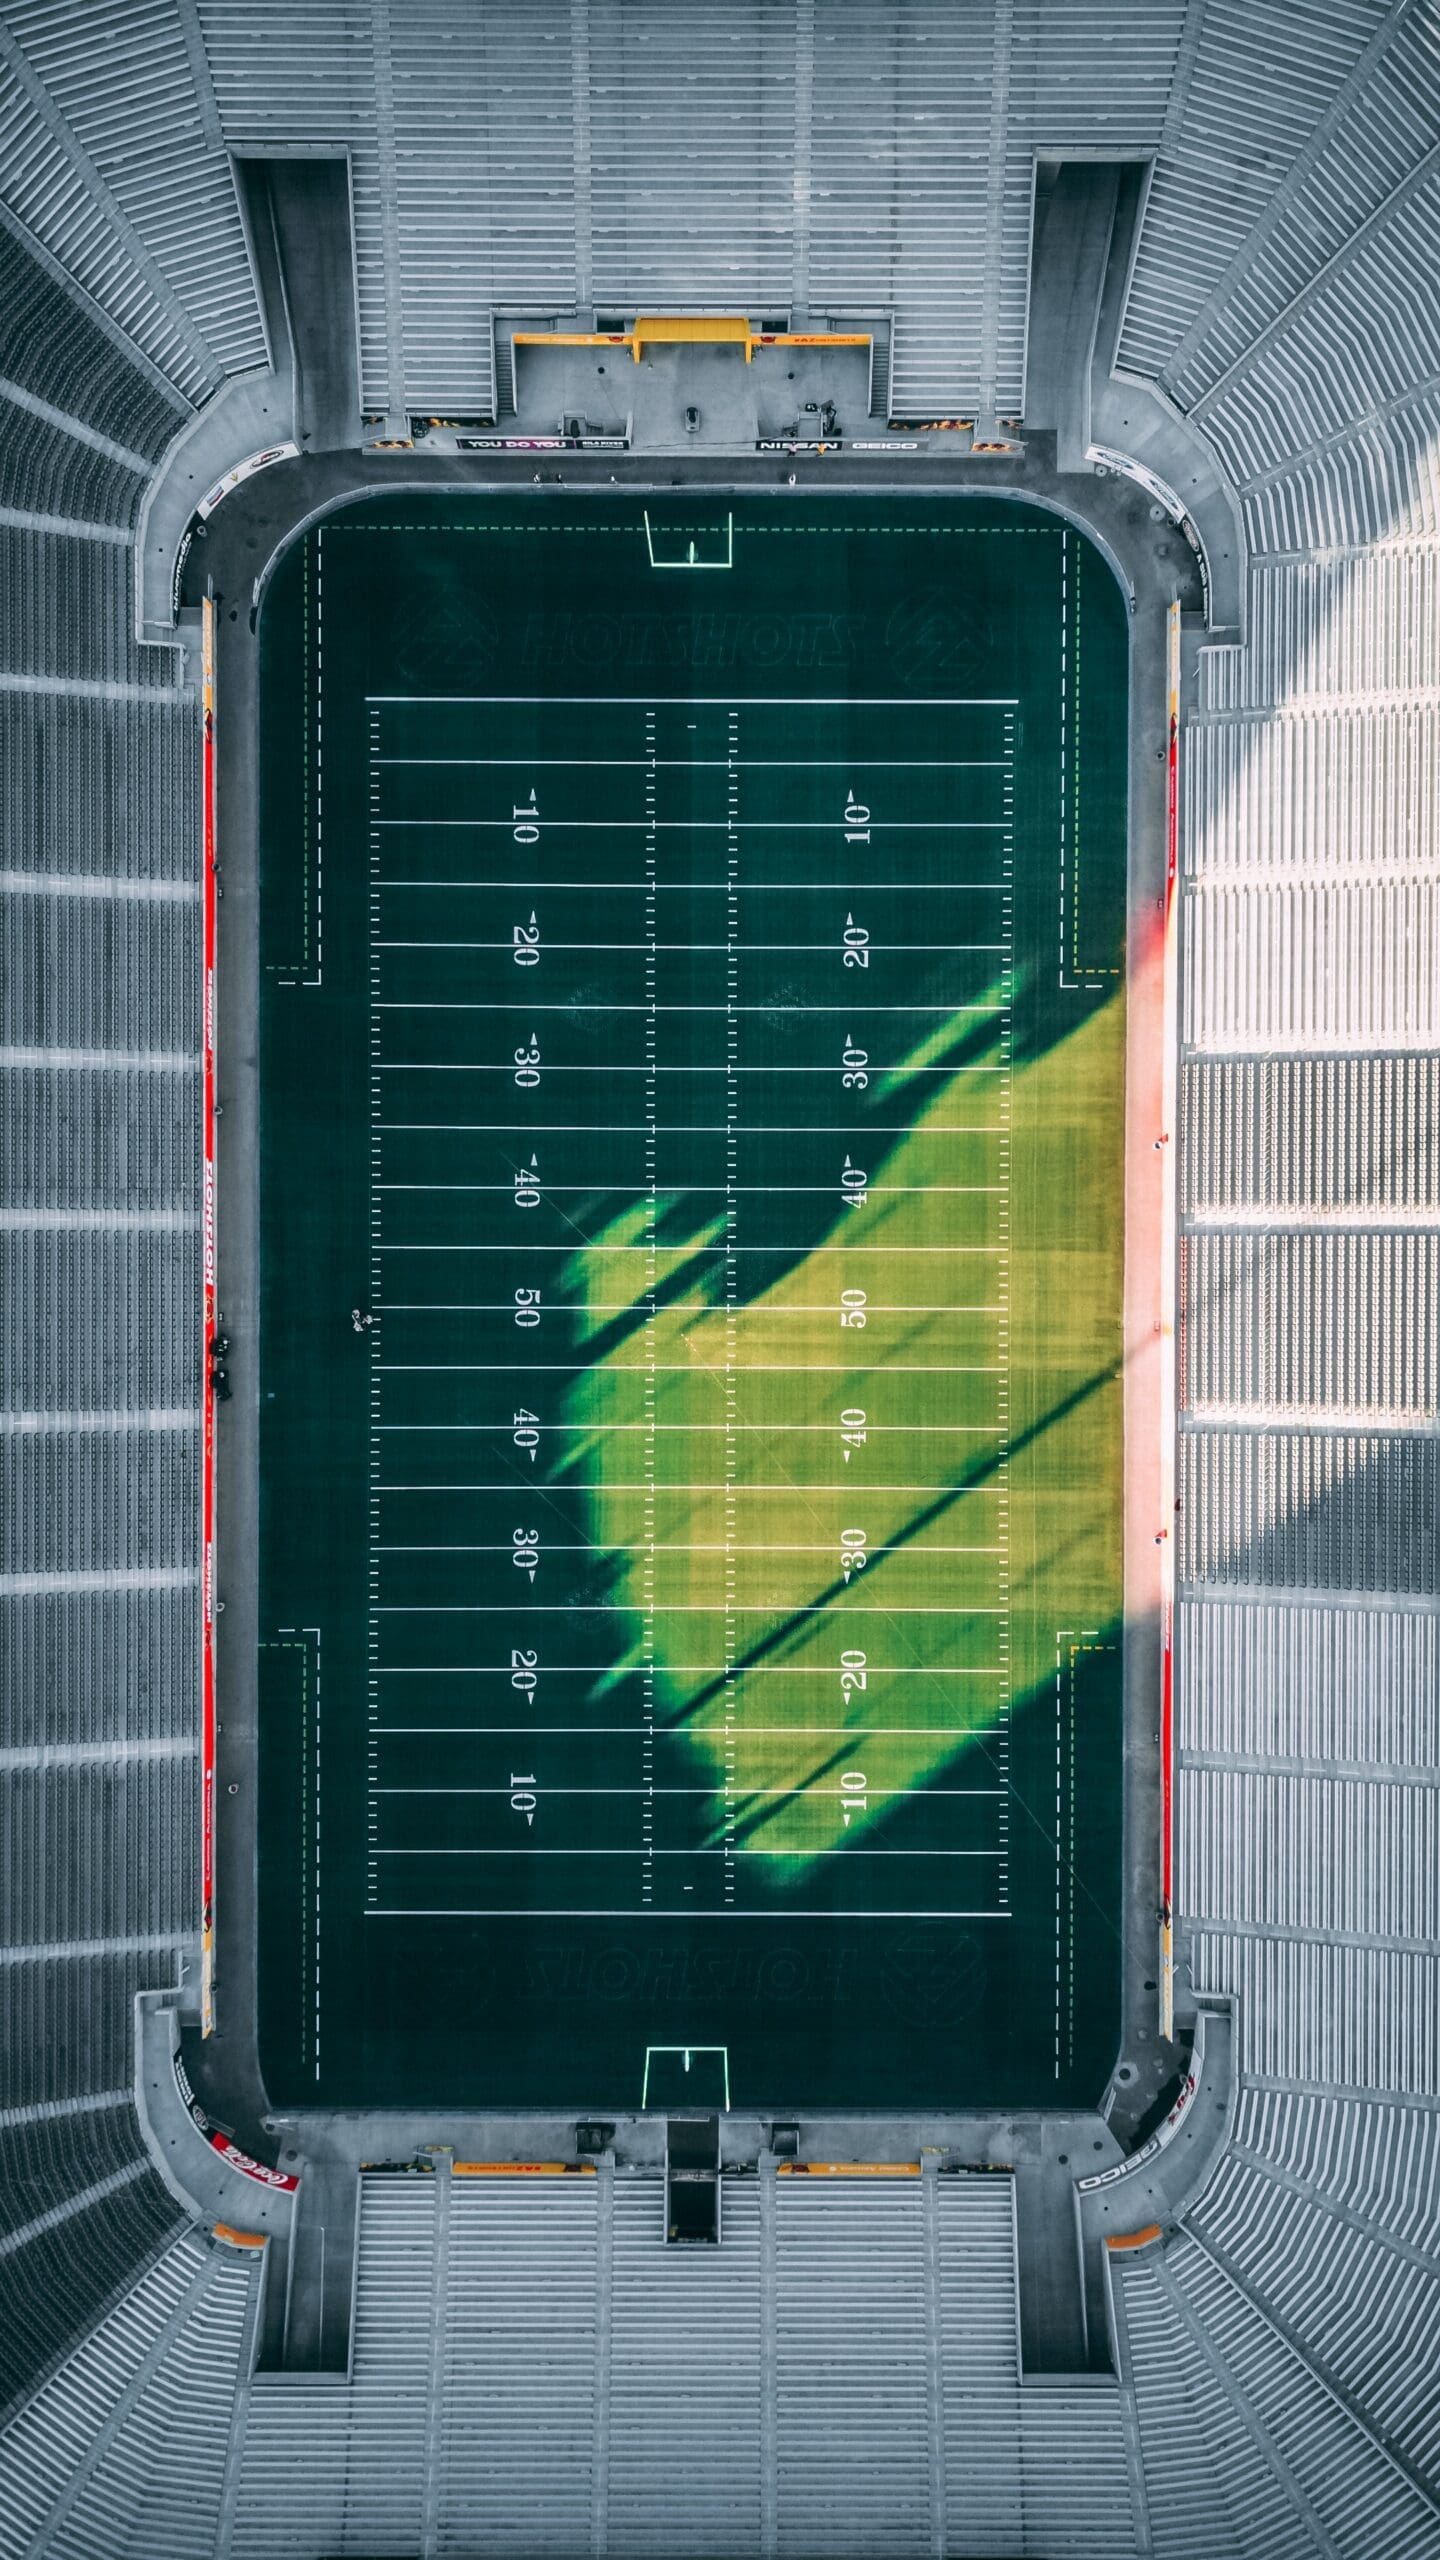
<point>532,1850</point>
<point>753,1732</point>
<point>662,1547</point>
<point>692,1129</point>
<point>614,1067</point>
<point>723,826</point>
<point>690,1368</point>
<point>777,1430</point>
<point>809,1787</point>
<point>697,1671</point>
<point>704,1190</point>
<point>693,1252</point>
<point>519,1004</point>
<point>708,701</point>
<point>696,888</point>
<point>522,1004</point>
<point>515,1484</point>
<point>720,764</point>
<point>683,1609</point>
<point>673,1306</point>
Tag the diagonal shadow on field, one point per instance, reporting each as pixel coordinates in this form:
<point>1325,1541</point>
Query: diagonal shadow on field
<point>985,1469</point>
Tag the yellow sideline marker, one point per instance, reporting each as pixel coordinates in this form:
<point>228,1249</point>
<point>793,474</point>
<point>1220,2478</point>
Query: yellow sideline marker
<point>847,2169</point>
<point>522,2169</point>
<point>700,328</point>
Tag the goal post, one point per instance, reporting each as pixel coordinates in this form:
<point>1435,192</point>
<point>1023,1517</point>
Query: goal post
<point>690,546</point>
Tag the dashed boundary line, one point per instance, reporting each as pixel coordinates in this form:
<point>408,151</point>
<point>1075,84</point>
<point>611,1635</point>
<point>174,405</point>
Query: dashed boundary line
<point>299,973</point>
<point>298,1640</point>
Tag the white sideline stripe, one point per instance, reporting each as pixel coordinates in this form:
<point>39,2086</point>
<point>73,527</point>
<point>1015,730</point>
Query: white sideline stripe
<point>720,764</point>
<point>764,1732</point>
<point>49,2110</point>
<point>108,1061</point>
<point>97,884</point>
<point>780,1430</point>
<point>99,1221</point>
<point>720,1850</point>
<point>617,1067</point>
<point>674,1307</point>
<point>75,1950</point>
<point>671,1911</point>
<point>714,1547</point>
<point>727,701</point>
<point>695,1253</point>
<point>131,1577</point>
<point>682,1609</point>
<point>699,1671</point>
<point>522,1004</point>
<point>679,1369</point>
<point>643,1788</point>
<point>82,1755</point>
<point>80,2202</point>
<point>694,1129</point>
<point>725,1190</point>
<point>967,1492</point>
<point>703,888</point>
<point>177,1417</point>
<point>24,520</point>
<point>726,826</point>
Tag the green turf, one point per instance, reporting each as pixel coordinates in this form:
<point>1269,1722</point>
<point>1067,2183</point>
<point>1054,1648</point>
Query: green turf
<point>692,1025</point>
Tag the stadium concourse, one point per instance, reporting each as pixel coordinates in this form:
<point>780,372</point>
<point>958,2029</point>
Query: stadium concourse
<point>1163,277</point>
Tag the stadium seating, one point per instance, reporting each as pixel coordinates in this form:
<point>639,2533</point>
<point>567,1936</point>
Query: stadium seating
<point>98,1238</point>
<point>123,2450</point>
<point>540,156</point>
<point>1287,2468</point>
<point>1371,2309</point>
<point>679,2396</point>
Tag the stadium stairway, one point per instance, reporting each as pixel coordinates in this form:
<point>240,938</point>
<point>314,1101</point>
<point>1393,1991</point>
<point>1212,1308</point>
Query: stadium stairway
<point>696,2402</point>
<point>98,1238</point>
<point>124,2450</point>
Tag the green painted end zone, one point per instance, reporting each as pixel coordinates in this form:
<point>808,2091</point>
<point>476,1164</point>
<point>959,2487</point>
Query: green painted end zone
<point>692,1037</point>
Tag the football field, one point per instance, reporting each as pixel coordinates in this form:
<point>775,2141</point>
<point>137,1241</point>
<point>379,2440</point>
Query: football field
<point>691,1257</point>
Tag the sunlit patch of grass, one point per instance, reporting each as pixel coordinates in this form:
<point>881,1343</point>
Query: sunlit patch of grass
<point>1032,1492</point>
